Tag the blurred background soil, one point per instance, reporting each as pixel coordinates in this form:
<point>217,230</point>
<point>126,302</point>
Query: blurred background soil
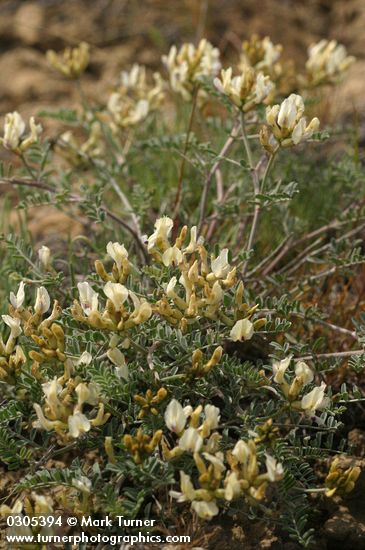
<point>122,32</point>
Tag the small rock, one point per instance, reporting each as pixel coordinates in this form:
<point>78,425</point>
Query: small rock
<point>356,439</point>
<point>343,528</point>
<point>29,22</point>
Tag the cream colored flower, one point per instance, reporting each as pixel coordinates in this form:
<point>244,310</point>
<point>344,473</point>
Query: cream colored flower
<point>172,256</point>
<point>14,128</point>
<point>160,237</point>
<point>241,452</point>
<point>117,252</point>
<point>118,359</point>
<point>18,300</point>
<point>87,393</point>
<point>191,441</point>
<point>193,273</point>
<point>242,330</point>
<point>72,62</point>
<point>134,84</point>
<point>42,422</point>
<point>83,484</point>
<point>245,90</point>
<point>327,61</point>
<point>220,266</point>
<point>88,298</point>
<point>274,469</point>
<point>126,111</point>
<point>205,510</point>
<point>170,288</point>
<point>216,295</point>
<point>13,324</point>
<point>212,416</point>
<point>232,487</point>
<point>43,301</point>
<point>42,505</point>
<point>315,400</point>
<point>85,358</point>
<point>142,313</point>
<point>288,124</point>
<point>195,241</point>
<point>187,489</point>
<point>51,391</point>
<point>175,417</point>
<point>44,255</point>
<point>303,373</point>
<point>133,79</point>
<point>216,460</point>
<point>78,424</point>
<point>262,54</point>
<point>116,293</point>
<point>279,368</point>
<point>135,98</point>
<point>188,64</point>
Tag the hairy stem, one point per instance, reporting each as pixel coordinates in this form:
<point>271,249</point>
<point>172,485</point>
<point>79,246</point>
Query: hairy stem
<point>257,187</point>
<point>183,162</point>
<point>226,147</point>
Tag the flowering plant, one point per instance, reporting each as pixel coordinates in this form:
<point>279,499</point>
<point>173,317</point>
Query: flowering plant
<point>172,370</point>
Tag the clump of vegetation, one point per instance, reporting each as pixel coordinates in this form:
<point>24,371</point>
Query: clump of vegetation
<point>178,369</point>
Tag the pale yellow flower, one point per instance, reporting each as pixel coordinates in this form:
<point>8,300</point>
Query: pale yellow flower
<point>18,300</point>
<point>327,61</point>
<point>205,510</point>
<point>14,130</point>
<point>117,294</point>
<point>72,62</point>
<point>88,298</point>
<point>191,440</point>
<point>43,301</point>
<point>242,330</point>
<point>175,417</point>
<point>315,400</point>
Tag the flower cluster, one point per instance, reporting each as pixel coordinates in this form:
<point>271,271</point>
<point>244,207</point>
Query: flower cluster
<point>11,354</point>
<point>66,395</point>
<point>188,64</point>
<point>14,133</point>
<point>135,98</point>
<point>313,401</point>
<point>263,55</point>
<point>63,410</point>
<point>79,154</point>
<point>73,61</point>
<point>199,291</point>
<point>241,478</point>
<point>286,124</point>
<point>327,61</point>
<point>117,314</point>
<point>44,332</point>
<point>34,506</point>
<point>141,445</point>
<point>340,480</point>
<point>150,401</point>
<point>245,90</point>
